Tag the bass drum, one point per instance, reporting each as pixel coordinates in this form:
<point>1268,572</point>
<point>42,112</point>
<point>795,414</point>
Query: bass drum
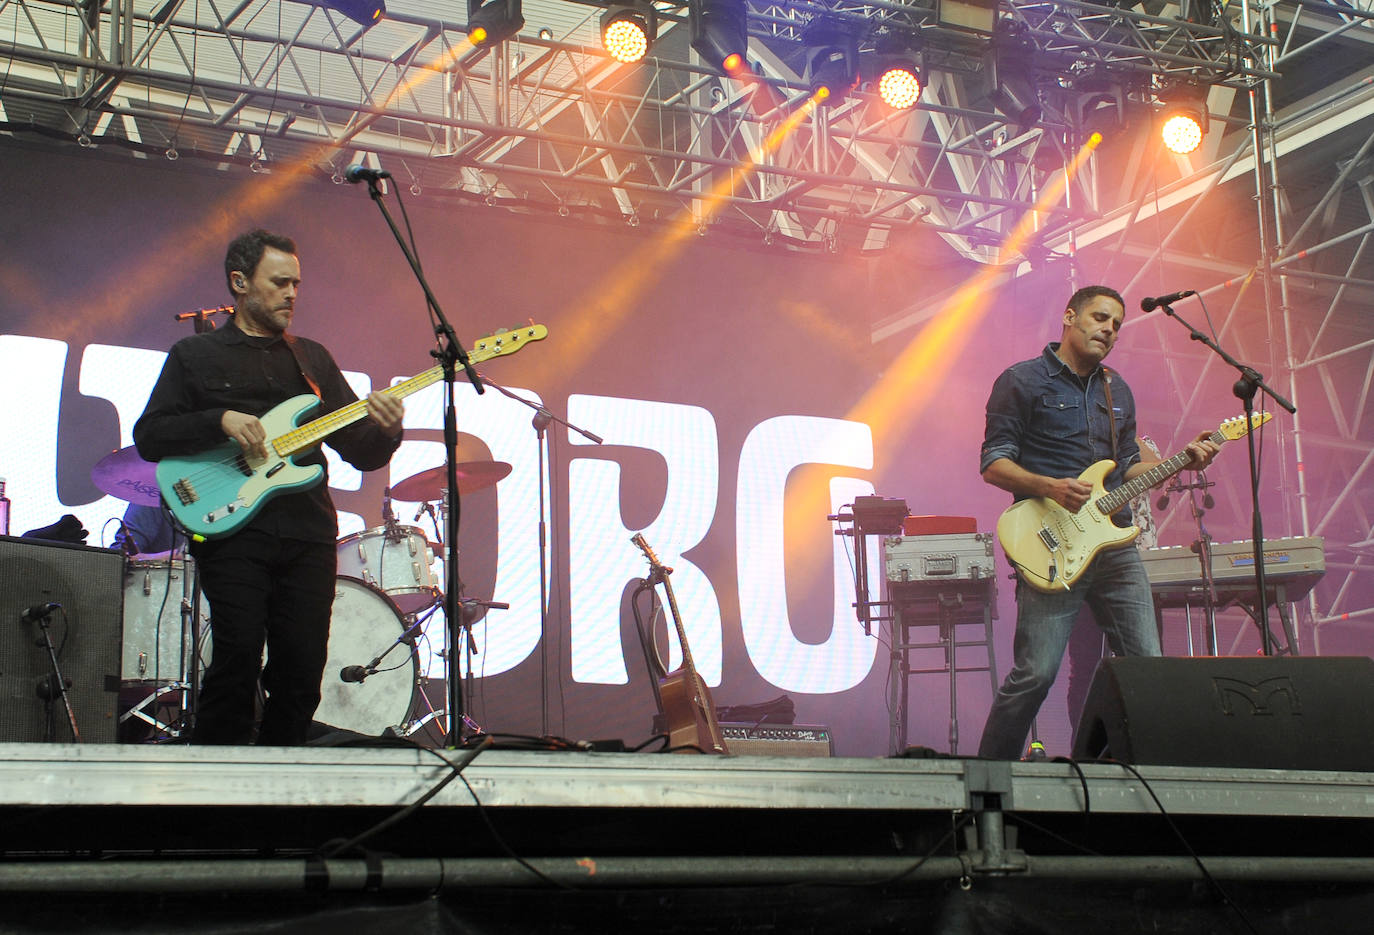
<point>365,623</point>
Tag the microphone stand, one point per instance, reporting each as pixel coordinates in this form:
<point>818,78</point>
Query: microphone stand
<point>54,685</point>
<point>540,422</point>
<point>1203,547</point>
<point>1245,388</point>
<point>449,353</point>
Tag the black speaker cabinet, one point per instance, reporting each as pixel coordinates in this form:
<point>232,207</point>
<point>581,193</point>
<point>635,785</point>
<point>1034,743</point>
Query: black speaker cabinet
<point>1274,712</point>
<point>87,629</point>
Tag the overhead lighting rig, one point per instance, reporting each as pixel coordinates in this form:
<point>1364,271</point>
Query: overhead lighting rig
<point>1183,119</point>
<point>628,31</point>
<point>832,60</point>
<point>494,21</point>
<point>718,31</point>
<point>894,70</point>
<point>364,12</point>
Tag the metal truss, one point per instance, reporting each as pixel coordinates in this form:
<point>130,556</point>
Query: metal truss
<point>548,122</point>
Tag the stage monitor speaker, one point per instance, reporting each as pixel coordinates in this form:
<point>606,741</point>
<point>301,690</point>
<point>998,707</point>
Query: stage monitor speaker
<point>87,629</point>
<point>1269,712</point>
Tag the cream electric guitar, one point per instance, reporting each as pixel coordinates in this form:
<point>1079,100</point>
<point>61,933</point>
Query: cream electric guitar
<point>213,493</point>
<point>1052,548</point>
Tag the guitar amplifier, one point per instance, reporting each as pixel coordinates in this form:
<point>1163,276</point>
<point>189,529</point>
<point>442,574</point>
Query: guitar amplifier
<point>777,739</point>
<point>966,556</point>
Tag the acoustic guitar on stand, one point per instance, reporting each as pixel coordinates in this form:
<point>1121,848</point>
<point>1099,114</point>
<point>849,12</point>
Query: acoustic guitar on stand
<point>213,493</point>
<point>1052,548</point>
<point>683,698</point>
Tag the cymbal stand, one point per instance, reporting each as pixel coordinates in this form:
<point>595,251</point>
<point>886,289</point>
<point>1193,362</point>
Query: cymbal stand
<point>542,418</point>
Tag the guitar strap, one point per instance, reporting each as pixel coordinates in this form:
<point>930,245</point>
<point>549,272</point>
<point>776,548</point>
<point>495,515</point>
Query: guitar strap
<point>315,387</point>
<point>1111,412</point>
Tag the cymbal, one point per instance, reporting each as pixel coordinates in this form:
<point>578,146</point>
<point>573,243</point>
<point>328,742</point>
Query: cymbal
<point>125,475</point>
<point>429,485</point>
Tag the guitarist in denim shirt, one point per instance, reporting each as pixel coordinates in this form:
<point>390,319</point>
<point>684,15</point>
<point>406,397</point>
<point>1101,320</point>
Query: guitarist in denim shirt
<point>1048,419</point>
<point>271,582</point>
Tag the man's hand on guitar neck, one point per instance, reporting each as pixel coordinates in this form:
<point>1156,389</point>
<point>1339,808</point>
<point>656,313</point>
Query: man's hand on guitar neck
<point>387,411</point>
<point>1203,450</point>
<point>246,430</point>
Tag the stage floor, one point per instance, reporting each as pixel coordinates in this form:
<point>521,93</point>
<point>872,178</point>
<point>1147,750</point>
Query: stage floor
<point>93,825</point>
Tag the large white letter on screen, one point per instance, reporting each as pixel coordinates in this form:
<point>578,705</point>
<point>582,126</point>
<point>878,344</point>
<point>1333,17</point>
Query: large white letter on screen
<point>31,385</point>
<point>771,451</point>
<point>125,376</point>
<point>602,560</point>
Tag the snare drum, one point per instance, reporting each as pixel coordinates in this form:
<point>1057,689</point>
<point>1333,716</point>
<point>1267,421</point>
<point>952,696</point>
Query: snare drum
<point>397,562</point>
<point>365,623</point>
<point>155,648</point>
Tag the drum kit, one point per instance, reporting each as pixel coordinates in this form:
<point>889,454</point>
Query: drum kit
<point>386,590</point>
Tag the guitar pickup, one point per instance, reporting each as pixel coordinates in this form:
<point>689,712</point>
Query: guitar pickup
<point>185,491</point>
<point>224,511</point>
<point>1048,537</point>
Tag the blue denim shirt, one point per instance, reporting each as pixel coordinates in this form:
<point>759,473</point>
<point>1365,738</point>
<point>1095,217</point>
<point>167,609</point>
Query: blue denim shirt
<point>1051,421</point>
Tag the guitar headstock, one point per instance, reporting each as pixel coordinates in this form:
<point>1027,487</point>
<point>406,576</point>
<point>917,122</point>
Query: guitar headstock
<point>501,343</point>
<point>639,540</point>
<point>1236,427</point>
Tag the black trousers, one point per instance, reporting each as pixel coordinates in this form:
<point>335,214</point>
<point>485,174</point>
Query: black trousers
<point>264,591</point>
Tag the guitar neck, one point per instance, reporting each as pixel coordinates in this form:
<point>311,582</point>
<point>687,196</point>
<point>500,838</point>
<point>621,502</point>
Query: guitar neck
<point>317,430</point>
<point>1111,502</point>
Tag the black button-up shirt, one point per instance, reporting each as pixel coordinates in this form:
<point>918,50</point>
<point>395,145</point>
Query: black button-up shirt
<point>1051,421</point>
<point>206,374</point>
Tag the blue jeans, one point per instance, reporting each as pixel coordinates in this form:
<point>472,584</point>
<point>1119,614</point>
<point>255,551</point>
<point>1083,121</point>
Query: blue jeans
<point>1117,591</point>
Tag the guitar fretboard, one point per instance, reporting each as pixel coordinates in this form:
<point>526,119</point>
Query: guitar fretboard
<point>1110,503</point>
<point>317,430</point>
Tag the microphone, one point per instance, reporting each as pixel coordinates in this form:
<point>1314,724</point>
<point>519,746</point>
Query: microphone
<point>357,174</point>
<point>1147,304</point>
<point>1163,502</point>
<point>355,673</point>
<point>388,514</point>
<point>421,511</point>
<point>38,612</point>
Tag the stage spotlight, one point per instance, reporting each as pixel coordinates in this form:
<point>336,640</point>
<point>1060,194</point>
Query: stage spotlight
<point>365,12</point>
<point>973,16</point>
<point>1102,112</point>
<point>493,22</point>
<point>1012,88</point>
<point>1183,124</point>
<point>896,77</point>
<point>832,61</point>
<point>718,31</point>
<point>628,31</point>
